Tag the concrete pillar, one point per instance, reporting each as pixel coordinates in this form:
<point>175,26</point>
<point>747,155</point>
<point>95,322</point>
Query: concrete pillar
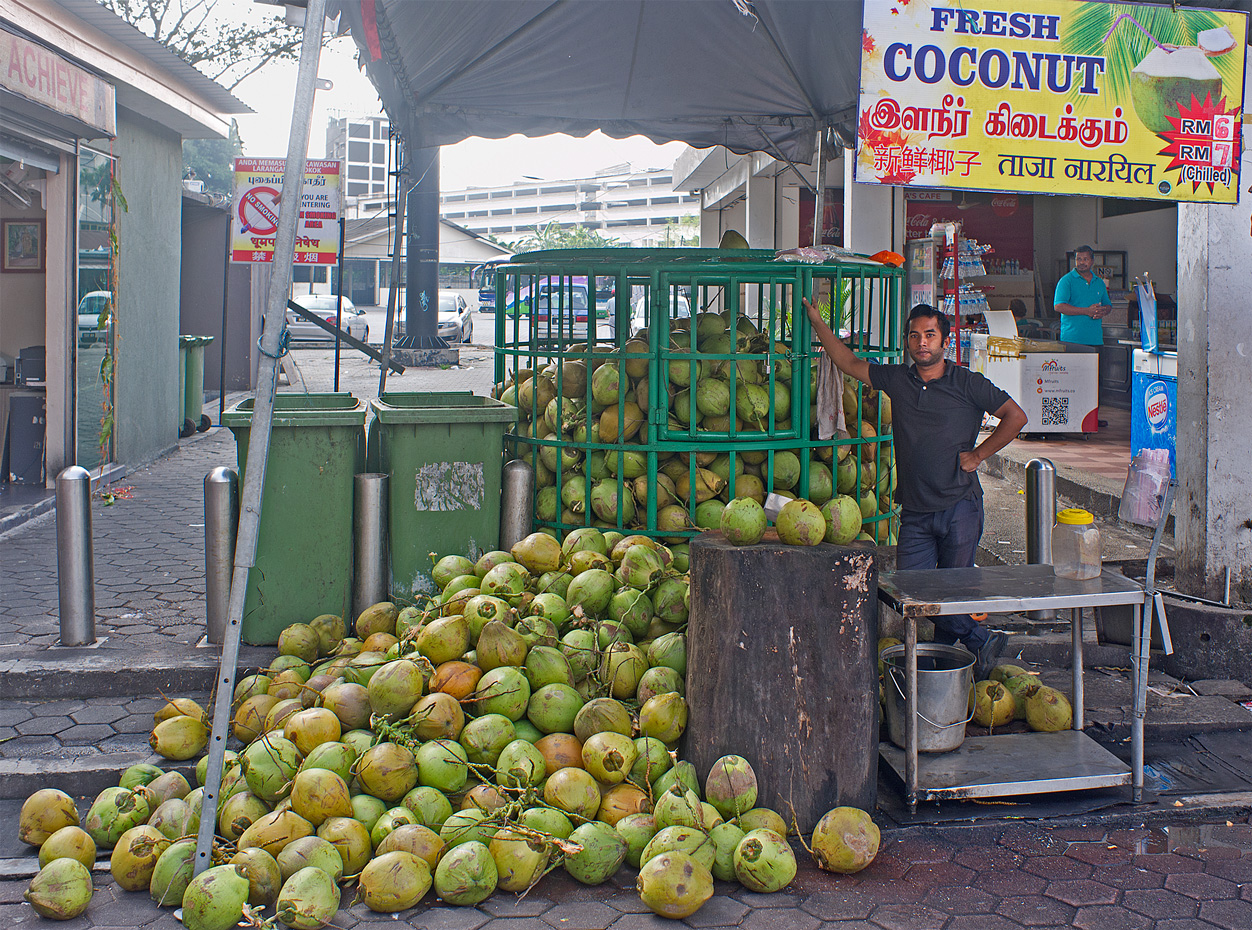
<point>873,214</point>
<point>761,203</point>
<point>422,282</point>
<point>1213,516</point>
<point>710,227</point>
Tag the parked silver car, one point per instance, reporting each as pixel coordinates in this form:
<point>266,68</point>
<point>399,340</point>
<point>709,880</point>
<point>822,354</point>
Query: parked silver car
<point>325,306</point>
<point>456,322</point>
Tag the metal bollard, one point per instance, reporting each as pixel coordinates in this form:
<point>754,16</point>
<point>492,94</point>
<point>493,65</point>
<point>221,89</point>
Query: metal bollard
<point>371,579</point>
<point>76,578</point>
<point>1040,518</point>
<point>517,503</point>
<point>221,524</point>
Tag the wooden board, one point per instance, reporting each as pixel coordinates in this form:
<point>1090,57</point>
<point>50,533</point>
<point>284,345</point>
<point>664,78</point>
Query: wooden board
<point>781,670</point>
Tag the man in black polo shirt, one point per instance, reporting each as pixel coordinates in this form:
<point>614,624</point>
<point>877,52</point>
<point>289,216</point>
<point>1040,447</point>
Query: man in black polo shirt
<point>936,410</point>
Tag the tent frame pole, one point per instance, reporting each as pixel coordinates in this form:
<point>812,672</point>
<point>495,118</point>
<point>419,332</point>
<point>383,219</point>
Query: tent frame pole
<point>273,345</point>
<point>819,194</point>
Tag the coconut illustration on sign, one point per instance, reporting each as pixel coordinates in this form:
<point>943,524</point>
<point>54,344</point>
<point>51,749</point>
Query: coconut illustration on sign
<point>1169,76</point>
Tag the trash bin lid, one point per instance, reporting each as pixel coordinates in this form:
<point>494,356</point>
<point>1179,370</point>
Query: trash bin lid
<point>441,407</point>
<point>291,409</point>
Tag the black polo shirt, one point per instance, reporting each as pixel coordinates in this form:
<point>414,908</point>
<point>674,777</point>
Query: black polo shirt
<point>933,422</point>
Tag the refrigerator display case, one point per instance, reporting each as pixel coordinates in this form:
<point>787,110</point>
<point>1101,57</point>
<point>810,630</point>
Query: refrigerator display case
<point>1056,385</point>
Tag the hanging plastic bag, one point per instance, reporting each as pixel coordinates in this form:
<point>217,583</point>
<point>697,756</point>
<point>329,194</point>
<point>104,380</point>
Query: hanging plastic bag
<point>1146,481</point>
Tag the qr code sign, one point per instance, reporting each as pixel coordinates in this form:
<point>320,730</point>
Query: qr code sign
<point>1055,411</point>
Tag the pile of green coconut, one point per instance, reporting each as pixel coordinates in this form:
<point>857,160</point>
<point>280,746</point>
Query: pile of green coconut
<point>524,719</point>
<point>572,402</point>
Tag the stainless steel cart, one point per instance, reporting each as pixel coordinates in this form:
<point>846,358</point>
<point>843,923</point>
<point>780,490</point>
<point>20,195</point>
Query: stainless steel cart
<point>995,766</point>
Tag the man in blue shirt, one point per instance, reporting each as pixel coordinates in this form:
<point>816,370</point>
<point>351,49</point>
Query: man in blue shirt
<point>1082,300</point>
<point>937,409</point>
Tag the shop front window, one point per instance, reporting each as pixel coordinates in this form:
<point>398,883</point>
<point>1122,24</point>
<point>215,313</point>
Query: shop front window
<point>97,332</point>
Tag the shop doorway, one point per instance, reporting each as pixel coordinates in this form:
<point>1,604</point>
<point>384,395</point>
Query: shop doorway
<point>95,345</point>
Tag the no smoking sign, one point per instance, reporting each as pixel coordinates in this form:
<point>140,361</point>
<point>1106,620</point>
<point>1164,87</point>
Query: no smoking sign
<point>259,200</point>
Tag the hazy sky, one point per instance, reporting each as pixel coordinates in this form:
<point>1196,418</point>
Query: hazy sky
<point>474,162</point>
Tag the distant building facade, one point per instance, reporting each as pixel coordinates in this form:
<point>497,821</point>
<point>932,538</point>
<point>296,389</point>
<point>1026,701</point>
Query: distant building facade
<point>362,145</point>
<point>639,207</point>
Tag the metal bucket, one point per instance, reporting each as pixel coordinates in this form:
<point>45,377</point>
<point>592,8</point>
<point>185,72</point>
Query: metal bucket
<point>945,675</point>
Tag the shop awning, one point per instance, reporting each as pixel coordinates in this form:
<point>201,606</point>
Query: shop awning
<point>752,75</point>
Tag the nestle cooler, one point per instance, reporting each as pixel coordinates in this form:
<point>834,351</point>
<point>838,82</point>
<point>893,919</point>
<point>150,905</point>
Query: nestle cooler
<point>1154,403</point>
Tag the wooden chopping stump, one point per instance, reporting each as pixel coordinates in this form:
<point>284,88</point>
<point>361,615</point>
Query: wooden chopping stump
<point>781,670</point>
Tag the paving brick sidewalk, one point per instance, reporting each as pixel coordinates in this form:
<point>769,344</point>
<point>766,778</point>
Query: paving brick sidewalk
<point>148,557</point>
<point>994,877</point>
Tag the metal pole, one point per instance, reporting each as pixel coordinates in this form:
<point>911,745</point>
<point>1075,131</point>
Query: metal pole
<point>221,377</point>
<point>1040,518</point>
<point>273,339</point>
<point>393,295</point>
<point>517,503</point>
<point>371,581</point>
<point>339,305</point>
<point>75,576</point>
<point>819,192</point>
<point>221,521</point>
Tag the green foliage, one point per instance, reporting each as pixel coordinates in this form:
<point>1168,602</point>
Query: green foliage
<point>553,236</point>
<point>213,160</point>
<point>227,41</point>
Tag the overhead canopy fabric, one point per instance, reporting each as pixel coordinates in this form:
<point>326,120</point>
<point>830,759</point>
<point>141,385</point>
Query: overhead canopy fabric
<point>696,71</point>
<point>752,75</point>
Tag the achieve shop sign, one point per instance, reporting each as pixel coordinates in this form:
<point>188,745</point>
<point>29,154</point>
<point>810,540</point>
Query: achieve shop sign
<point>1052,97</point>
<point>258,201</point>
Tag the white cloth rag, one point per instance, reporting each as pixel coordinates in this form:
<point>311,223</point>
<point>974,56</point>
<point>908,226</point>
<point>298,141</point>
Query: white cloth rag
<point>830,419</point>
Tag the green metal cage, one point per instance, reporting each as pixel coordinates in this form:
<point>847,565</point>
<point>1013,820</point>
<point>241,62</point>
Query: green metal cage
<point>652,386</point>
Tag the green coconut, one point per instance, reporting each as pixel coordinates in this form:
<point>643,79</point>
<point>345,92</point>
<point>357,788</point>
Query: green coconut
<point>1049,711</point>
<point>394,881</point>
<point>674,885</point>
<point>44,813</point>
<point>172,873</point>
<point>764,862</point>
<point>62,889</point>
<point>466,874</point>
<point>993,704</point>
<point>603,851</point>
<point>309,900</point>
<point>215,898</point>
<point>845,840</point>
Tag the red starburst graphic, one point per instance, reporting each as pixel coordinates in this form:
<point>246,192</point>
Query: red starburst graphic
<point>1205,139</point>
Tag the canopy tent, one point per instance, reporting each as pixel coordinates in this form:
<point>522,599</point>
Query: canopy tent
<point>759,76</point>
<point>752,75</point>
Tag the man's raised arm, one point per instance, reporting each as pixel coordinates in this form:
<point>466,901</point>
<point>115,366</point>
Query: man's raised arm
<point>844,358</point>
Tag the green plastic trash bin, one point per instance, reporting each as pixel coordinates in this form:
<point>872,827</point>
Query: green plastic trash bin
<point>193,402</point>
<point>304,546</point>
<point>444,452</point>
<point>184,348</point>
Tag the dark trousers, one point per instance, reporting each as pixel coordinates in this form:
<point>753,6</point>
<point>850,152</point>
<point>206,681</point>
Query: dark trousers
<point>946,539</point>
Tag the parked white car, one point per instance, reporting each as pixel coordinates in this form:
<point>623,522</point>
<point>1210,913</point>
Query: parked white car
<point>89,331</point>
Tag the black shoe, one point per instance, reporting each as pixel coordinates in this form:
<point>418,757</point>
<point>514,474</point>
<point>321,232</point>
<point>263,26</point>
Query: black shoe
<point>986,655</point>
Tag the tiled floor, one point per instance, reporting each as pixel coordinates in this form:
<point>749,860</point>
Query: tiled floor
<point>1105,453</point>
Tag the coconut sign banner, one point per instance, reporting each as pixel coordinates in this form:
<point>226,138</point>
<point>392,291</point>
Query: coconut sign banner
<point>1051,97</point>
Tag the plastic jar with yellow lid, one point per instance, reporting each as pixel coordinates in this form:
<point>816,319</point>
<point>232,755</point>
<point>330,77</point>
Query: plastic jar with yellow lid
<point>1076,545</point>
